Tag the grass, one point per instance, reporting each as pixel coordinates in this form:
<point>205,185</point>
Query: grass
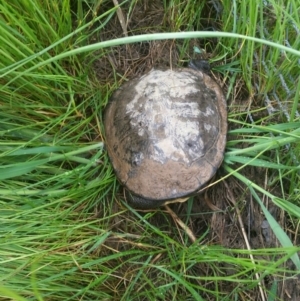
<point>66,233</point>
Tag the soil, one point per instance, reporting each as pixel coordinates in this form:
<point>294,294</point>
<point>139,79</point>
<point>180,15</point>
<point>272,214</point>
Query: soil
<point>225,208</point>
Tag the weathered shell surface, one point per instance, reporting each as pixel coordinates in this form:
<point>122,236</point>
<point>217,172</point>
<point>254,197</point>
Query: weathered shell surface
<point>166,132</point>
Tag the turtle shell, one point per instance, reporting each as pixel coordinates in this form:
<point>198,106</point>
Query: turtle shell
<point>166,133</point>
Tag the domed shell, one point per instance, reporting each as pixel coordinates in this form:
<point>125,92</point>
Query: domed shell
<point>166,133</point>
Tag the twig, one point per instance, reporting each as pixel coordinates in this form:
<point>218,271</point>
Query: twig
<point>121,18</point>
<point>181,223</point>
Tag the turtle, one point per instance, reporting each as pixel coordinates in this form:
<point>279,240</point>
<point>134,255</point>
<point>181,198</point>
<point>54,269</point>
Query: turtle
<point>166,134</point>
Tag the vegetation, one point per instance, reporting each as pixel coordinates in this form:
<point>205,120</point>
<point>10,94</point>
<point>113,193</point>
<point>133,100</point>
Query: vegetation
<point>66,232</point>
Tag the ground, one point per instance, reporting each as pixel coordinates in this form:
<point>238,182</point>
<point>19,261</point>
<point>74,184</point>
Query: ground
<point>224,213</point>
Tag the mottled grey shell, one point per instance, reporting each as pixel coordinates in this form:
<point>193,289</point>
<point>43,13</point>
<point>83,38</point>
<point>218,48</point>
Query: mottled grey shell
<point>166,133</point>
